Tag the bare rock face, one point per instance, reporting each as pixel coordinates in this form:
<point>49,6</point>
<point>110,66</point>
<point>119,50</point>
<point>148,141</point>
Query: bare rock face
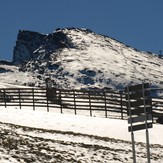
<point>27,42</point>
<point>33,45</point>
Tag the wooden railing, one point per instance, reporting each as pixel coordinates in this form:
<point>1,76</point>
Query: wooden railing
<point>101,103</point>
<point>95,103</point>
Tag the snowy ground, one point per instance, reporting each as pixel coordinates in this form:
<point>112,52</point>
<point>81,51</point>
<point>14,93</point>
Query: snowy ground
<point>39,136</point>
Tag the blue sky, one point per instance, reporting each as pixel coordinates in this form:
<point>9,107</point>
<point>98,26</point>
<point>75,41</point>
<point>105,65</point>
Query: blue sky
<point>137,23</point>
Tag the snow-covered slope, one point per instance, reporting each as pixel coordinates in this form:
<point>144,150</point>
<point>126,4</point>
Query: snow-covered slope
<point>40,136</point>
<point>10,76</point>
<point>80,58</point>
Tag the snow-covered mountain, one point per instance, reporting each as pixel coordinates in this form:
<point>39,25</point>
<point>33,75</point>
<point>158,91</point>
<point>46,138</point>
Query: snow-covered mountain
<point>79,58</point>
<point>74,58</point>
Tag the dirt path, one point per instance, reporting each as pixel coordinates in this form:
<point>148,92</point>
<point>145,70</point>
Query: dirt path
<point>27,145</point>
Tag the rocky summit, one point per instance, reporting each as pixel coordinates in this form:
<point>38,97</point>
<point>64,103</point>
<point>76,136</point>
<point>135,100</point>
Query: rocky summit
<point>32,45</point>
<point>76,58</point>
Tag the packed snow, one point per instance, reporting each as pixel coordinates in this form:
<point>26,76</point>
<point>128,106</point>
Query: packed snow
<point>78,138</point>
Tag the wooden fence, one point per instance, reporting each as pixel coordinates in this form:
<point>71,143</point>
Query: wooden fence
<point>95,103</point>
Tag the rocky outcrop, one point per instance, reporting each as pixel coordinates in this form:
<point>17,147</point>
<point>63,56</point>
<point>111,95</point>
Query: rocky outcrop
<point>32,45</point>
<point>27,42</point>
<point>4,62</point>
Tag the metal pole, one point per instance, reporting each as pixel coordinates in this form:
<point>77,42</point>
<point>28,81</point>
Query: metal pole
<point>148,146</point>
<point>147,134</point>
<point>132,133</point>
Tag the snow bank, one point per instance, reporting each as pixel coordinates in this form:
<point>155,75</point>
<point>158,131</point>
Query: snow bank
<point>103,127</point>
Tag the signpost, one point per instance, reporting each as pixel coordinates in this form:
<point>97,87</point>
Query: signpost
<point>139,107</point>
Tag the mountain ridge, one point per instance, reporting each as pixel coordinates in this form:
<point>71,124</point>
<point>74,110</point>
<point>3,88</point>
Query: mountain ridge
<point>77,58</point>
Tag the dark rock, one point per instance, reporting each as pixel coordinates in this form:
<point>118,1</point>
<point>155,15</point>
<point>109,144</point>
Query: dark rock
<point>4,62</point>
<point>33,45</point>
<point>86,80</point>
<point>53,67</point>
<point>3,70</point>
<point>87,72</point>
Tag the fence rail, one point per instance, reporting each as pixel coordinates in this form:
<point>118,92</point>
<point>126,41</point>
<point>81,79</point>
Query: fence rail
<point>103,102</point>
<point>95,103</point>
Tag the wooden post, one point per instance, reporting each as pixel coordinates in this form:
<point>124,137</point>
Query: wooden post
<point>90,103</point>
<point>105,104</point>
<point>19,98</point>
<point>152,111</point>
<point>60,99</point>
<point>4,96</point>
<point>33,95</point>
<point>47,99</point>
<point>74,102</point>
<point>121,102</point>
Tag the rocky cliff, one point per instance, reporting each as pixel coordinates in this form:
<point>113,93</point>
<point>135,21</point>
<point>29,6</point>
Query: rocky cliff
<point>32,45</point>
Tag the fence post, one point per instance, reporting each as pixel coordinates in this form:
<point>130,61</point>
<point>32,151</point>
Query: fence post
<point>4,96</point>
<point>152,110</point>
<point>60,98</point>
<point>121,103</point>
<point>33,95</point>
<point>47,99</point>
<point>74,102</point>
<point>105,104</point>
<point>19,98</point>
<point>90,104</point>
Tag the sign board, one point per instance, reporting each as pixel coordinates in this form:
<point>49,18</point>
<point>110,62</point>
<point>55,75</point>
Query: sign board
<point>138,95</point>
<point>140,118</point>
<point>138,87</point>
<point>140,127</point>
<point>139,108</point>
<point>140,102</point>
